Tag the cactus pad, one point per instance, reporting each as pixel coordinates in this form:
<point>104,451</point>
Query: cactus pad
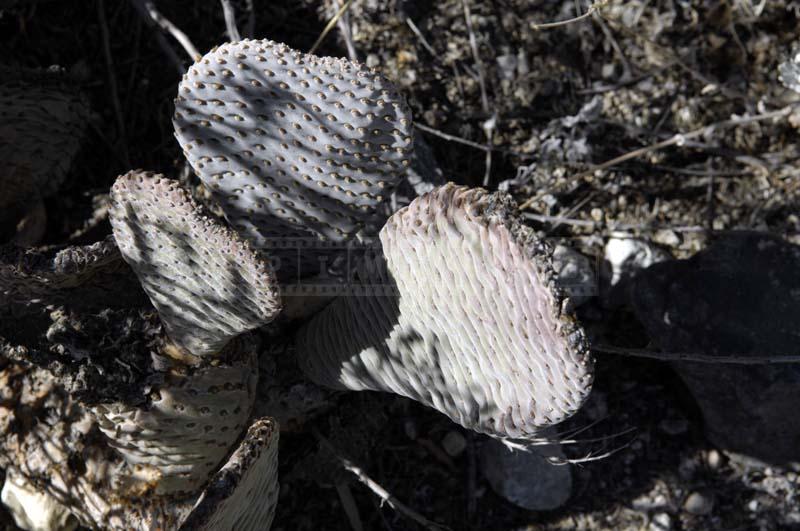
<point>292,145</point>
<point>189,425</point>
<point>32,278</point>
<point>244,493</point>
<point>461,312</point>
<point>207,284</point>
<point>41,124</point>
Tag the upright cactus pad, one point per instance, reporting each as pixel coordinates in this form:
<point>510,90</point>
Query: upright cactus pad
<point>466,318</point>
<point>207,284</point>
<point>243,495</point>
<point>41,124</point>
<point>177,440</point>
<point>290,144</point>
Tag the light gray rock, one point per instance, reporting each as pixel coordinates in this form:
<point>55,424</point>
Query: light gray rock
<point>525,477</point>
<point>698,503</point>
<point>627,255</point>
<point>576,276</point>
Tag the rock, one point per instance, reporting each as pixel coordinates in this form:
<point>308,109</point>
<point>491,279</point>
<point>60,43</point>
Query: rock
<point>698,504</point>
<point>424,173</point>
<point>454,443</point>
<point>713,459</point>
<point>526,478</point>
<point>627,255</point>
<point>576,275</point>
<point>661,522</point>
<point>674,426</point>
<point>34,510</point>
<point>740,297</point>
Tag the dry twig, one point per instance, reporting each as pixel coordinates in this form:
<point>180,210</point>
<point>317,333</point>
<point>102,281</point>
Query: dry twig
<point>595,7</point>
<point>112,83</point>
<point>329,26</point>
<point>154,17</point>
<point>230,21</point>
<point>385,496</point>
<point>490,124</point>
<point>735,359</point>
<point>680,139</point>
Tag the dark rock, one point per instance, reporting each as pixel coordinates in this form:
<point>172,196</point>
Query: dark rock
<point>740,297</point>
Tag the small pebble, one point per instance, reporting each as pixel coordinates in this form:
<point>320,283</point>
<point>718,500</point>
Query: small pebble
<point>676,426</point>
<point>410,427</point>
<point>661,522</point>
<point>454,443</point>
<point>714,459</point>
<point>698,504</point>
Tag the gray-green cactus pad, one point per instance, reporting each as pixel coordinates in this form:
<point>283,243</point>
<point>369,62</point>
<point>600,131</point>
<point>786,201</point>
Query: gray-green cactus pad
<point>192,420</point>
<point>292,145</point>
<point>41,124</point>
<point>206,282</point>
<point>461,312</point>
<point>243,495</point>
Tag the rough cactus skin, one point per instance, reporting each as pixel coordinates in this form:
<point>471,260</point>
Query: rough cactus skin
<point>473,324</point>
<point>189,425</point>
<point>42,120</point>
<point>31,278</point>
<point>292,145</point>
<point>207,284</point>
<point>243,495</point>
<point>60,453</point>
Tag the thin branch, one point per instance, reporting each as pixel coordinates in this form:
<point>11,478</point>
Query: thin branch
<point>451,138</point>
<point>329,26</point>
<point>154,17</point>
<point>490,124</point>
<point>681,139</point>
<point>250,27</point>
<point>558,219</point>
<point>421,37</point>
<point>162,41</point>
<point>550,25</point>
<point>470,143</point>
<point>230,21</point>
<point>382,493</point>
<point>347,34</point>
<point>473,44</point>
<point>735,359</point>
<point>112,82</point>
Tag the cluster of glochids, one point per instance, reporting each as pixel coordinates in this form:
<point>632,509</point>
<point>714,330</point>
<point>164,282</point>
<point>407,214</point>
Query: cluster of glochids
<point>459,306</point>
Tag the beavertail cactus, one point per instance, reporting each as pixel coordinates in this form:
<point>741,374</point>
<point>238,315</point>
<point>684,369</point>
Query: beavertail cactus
<point>194,416</point>
<point>243,495</point>
<point>33,278</point>
<point>290,144</point>
<point>42,120</point>
<point>207,284</point>
<point>60,453</point>
<point>460,312</point>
